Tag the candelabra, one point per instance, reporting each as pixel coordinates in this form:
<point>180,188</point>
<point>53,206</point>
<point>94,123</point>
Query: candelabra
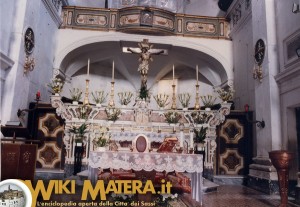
<point>112,94</point>
<point>86,98</point>
<point>197,105</point>
<point>173,98</point>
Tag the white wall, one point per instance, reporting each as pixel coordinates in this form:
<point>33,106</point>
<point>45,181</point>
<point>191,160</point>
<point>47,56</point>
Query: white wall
<point>20,89</point>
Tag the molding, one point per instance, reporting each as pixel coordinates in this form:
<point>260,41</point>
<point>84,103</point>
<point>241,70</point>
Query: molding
<point>288,73</point>
<point>5,62</point>
<point>53,12</point>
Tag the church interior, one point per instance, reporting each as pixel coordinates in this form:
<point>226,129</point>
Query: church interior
<point>204,94</point>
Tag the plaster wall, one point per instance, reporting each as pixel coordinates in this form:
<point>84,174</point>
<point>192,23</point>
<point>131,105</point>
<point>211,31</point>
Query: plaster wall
<point>72,39</point>
<point>287,23</point>
<point>20,89</point>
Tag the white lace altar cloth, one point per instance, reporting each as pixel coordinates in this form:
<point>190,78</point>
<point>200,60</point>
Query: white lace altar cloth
<point>159,162</point>
<point>169,162</point>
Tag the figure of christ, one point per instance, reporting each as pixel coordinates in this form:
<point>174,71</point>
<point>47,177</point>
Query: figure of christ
<point>145,57</point>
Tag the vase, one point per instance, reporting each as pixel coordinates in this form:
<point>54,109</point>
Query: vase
<point>200,147</point>
<point>75,102</point>
<point>207,109</point>
<point>101,149</point>
<point>184,109</point>
<point>56,94</point>
<point>281,160</point>
<point>98,105</point>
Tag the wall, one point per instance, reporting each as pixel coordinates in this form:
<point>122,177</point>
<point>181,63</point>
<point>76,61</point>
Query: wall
<point>20,89</point>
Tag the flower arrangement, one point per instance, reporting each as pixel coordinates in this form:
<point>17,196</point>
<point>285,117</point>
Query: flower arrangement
<point>103,139</point>
<point>200,118</point>
<point>56,85</point>
<point>161,100</point>
<point>143,93</point>
<point>225,95</point>
<point>76,94</point>
<point>208,100</point>
<point>125,97</point>
<point>112,113</point>
<point>79,132</point>
<point>184,99</point>
<point>84,111</point>
<point>172,117</point>
<point>99,97</point>
<point>200,134</point>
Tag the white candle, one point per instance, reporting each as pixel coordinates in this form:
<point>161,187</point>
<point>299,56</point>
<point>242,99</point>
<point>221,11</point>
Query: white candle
<point>191,139</point>
<point>173,75</point>
<point>181,138</point>
<point>113,72</point>
<point>197,73</point>
<point>88,68</point>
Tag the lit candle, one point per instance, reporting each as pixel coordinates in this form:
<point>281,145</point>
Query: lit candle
<point>38,95</point>
<point>173,75</point>
<point>197,73</point>
<point>113,72</point>
<point>88,68</point>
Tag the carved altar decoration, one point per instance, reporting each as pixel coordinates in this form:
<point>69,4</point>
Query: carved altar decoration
<point>140,120</point>
<point>125,123</point>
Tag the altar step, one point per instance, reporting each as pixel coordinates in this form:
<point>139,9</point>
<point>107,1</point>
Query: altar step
<point>230,179</point>
<point>49,174</point>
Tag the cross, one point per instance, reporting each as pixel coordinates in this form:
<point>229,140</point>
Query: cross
<point>145,50</point>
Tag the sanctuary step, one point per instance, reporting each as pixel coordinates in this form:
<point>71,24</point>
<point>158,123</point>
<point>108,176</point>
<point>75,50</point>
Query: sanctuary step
<point>209,186</point>
<point>230,179</point>
<point>49,174</point>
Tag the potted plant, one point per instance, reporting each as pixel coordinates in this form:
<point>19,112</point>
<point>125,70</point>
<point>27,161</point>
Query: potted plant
<point>225,95</point>
<point>200,118</point>
<point>76,94</point>
<point>208,101</point>
<point>172,117</point>
<point>112,113</point>
<point>99,97</point>
<point>184,99</point>
<point>199,139</point>
<point>161,100</point>
<point>84,111</point>
<point>56,86</point>
<point>125,98</point>
<point>102,140</point>
<point>144,93</point>
<point>79,133</point>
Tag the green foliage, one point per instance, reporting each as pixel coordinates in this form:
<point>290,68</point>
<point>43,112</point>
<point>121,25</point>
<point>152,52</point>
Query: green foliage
<point>103,139</point>
<point>172,117</point>
<point>144,93</point>
<point>76,94</point>
<point>200,134</point>
<point>79,132</point>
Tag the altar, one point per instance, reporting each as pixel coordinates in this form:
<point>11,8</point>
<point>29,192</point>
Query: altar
<point>159,162</point>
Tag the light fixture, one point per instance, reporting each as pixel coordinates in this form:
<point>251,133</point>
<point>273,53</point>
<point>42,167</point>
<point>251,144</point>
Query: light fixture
<point>298,51</point>
<point>296,8</point>
<point>260,124</point>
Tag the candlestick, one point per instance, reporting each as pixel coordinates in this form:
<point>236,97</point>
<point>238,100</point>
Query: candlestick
<point>113,72</point>
<point>173,75</point>
<point>88,67</point>
<point>173,98</point>
<point>197,104</point>
<point>197,73</point>
<point>86,98</point>
<point>112,94</point>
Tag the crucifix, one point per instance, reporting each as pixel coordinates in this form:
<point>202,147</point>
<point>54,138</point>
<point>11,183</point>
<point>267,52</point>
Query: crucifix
<point>145,50</point>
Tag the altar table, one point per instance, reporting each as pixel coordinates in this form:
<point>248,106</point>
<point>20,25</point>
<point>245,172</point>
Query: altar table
<point>169,162</point>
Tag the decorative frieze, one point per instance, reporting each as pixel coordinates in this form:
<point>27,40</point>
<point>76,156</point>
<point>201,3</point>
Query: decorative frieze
<point>144,20</point>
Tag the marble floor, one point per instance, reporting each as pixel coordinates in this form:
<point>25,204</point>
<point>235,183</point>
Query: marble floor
<point>239,196</point>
